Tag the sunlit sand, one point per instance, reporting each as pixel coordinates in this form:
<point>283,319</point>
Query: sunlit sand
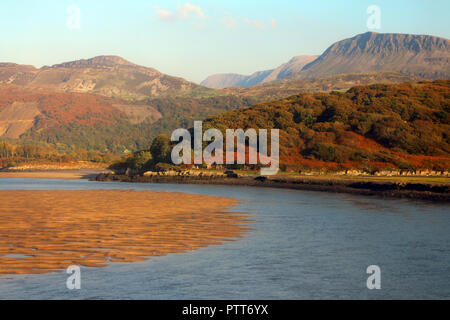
<point>47,231</point>
<point>60,174</point>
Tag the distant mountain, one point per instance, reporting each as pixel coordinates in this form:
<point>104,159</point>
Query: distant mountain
<point>421,55</point>
<point>225,80</point>
<point>110,76</point>
<point>285,71</point>
<point>220,81</point>
<point>416,55</point>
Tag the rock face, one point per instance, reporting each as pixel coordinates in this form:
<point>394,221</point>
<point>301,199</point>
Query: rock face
<point>110,76</point>
<point>220,81</point>
<point>419,55</point>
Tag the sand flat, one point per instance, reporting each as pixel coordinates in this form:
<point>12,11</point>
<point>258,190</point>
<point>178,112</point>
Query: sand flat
<point>50,174</point>
<point>47,231</point>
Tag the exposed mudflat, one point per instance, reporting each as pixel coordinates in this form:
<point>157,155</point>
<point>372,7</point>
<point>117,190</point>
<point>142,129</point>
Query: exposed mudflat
<point>46,231</point>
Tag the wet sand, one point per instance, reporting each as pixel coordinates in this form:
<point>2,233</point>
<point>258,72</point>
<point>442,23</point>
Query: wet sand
<point>47,231</point>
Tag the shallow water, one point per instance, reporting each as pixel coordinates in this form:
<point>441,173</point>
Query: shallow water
<point>306,245</point>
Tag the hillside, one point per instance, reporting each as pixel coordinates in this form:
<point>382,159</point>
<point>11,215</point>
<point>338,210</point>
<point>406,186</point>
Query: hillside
<point>293,66</point>
<point>225,80</point>
<point>68,120</point>
<point>110,76</point>
<point>372,127</point>
<point>342,82</point>
<point>421,55</point>
<point>220,81</point>
<point>12,73</point>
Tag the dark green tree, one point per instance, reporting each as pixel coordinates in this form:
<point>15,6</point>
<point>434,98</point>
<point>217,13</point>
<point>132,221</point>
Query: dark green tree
<point>160,149</point>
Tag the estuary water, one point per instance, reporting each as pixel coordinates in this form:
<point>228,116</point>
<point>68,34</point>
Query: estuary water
<point>305,245</point>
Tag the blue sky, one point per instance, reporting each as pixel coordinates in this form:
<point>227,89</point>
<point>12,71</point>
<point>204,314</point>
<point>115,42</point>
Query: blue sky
<point>196,38</point>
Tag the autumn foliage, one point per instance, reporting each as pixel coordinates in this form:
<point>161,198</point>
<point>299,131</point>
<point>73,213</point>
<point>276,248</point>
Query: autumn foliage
<point>405,126</point>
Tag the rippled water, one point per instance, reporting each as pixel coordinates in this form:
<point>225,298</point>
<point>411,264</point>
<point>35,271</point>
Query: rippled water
<point>306,245</point>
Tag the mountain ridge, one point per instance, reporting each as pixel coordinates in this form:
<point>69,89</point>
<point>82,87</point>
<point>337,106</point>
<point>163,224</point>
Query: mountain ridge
<point>111,76</point>
<point>425,56</point>
<point>98,61</point>
<point>421,55</point>
<point>224,80</point>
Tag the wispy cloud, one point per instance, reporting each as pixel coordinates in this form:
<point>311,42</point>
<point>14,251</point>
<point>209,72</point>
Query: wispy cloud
<point>229,22</point>
<point>256,24</point>
<point>165,15</point>
<point>183,12</point>
<point>186,10</point>
<point>273,23</point>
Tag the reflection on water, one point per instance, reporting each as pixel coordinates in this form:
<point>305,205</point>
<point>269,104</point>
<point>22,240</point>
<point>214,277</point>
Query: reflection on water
<point>306,245</point>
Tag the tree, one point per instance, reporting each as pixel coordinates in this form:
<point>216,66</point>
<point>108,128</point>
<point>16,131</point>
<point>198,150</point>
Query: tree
<point>160,149</point>
<point>141,160</point>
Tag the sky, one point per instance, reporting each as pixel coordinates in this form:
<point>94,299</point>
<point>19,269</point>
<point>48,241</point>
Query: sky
<point>196,38</point>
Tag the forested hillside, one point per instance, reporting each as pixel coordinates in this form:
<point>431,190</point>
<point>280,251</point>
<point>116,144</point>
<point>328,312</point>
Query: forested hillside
<point>69,121</point>
<point>404,126</point>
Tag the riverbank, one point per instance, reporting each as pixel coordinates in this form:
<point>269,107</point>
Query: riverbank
<point>68,170</point>
<point>424,188</point>
<point>51,174</point>
<point>398,189</point>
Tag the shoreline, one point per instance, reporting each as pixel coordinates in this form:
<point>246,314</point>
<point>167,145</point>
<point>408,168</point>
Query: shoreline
<point>438,192</point>
<point>66,174</point>
<point>392,188</point>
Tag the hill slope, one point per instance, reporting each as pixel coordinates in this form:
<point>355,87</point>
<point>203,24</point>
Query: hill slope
<point>368,127</point>
<point>420,55</point>
<point>12,73</point>
<point>110,76</point>
<point>225,80</point>
<point>342,82</point>
<point>71,120</point>
<point>286,70</point>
